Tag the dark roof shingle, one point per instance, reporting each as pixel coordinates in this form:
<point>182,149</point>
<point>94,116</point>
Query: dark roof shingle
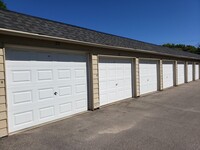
<point>21,22</point>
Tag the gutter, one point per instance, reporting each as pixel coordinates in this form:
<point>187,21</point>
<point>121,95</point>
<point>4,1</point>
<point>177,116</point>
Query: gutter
<point>70,41</point>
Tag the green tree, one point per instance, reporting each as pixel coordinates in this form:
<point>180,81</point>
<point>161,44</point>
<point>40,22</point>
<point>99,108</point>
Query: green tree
<point>198,49</point>
<point>188,48</point>
<point>2,5</point>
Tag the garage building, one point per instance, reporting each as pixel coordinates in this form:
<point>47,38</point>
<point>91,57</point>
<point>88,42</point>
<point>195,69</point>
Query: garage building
<point>51,70</point>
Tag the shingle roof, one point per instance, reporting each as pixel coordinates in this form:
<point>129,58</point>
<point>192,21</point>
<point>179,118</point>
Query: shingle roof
<point>21,22</point>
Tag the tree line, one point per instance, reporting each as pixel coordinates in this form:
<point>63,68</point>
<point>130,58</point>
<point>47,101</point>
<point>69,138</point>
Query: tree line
<point>183,47</point>
<point>2,5</point>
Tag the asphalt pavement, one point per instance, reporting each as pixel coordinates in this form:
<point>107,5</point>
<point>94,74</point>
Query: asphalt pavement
<point>166,120</point>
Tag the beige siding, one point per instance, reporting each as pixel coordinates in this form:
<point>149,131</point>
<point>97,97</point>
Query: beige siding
<point>3,109</point>
<point>3,124</point>
<point>3,115</point>
<point>3,132</point>
<point>2,91</point>
<point>1,67</point>
<point>1,52</point>
<point>199,70</point>
<point>2,84</point>
<point>160,75</point>
<point>95,82</point>
<point>175,73</point>
<point>194,71</point>
<point>1,59</point>
<point>2,75</point>
<point>136,77</point>
<point>2,100</point>
<point>186,72</point>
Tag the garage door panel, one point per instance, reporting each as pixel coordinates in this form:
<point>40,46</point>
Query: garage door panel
<point>104,98</point>
<point>127,72</point>
<point>65,107</point>
<point>112,96</point>
<point>103,72</point>
<point>168,78</point>
<point>20,97</point>
<point>111,84</point>
<point>110,73</point>
<point>119,74</point>
<point>80,88</point>
<point>64,74</point>
<point>45,75</point>
<point>144,80</point>
<point>23,118</point>
<point>64,90</point>
<point>144,89</point>
<point>114,80</point>
<point>80,103</point>
<point>103,86</point>
<point>22,76</point>
<point>148,76</point>
<point>35,83</point>
<point>126,82</point>
<point>46,112</point>
<point>45,93</point>
<point>79,81</point>
<point>23,107</point>
<point>181,73</point>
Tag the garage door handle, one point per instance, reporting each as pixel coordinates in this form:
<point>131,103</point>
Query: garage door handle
<point>55,93</point>
<point>116,84</point>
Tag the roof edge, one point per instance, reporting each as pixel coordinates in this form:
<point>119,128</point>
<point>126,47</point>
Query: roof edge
<point>71,41</point>
<point>76,26</point>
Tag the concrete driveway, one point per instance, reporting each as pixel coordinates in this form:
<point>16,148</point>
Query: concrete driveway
<point>161,121</point>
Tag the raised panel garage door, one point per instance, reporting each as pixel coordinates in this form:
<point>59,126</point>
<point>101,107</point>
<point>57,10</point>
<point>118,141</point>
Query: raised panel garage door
<point>148,76</point>
<point>115,79</point>
<point>42,87</point>
<point>181,72</point>
<point>190,72</point>
<point>196,71</point>
<point>168,74</point>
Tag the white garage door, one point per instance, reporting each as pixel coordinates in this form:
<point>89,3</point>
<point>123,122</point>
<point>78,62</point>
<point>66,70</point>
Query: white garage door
<point>168,74</point>
<point>190,72</point>
<point>115,80</point>
<point>42,87</point>
<point>181,72</point>
<point>196,71</point>
<point>148,76</point>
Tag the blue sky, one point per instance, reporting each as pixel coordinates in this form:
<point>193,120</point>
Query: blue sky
<point>154,21</point>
